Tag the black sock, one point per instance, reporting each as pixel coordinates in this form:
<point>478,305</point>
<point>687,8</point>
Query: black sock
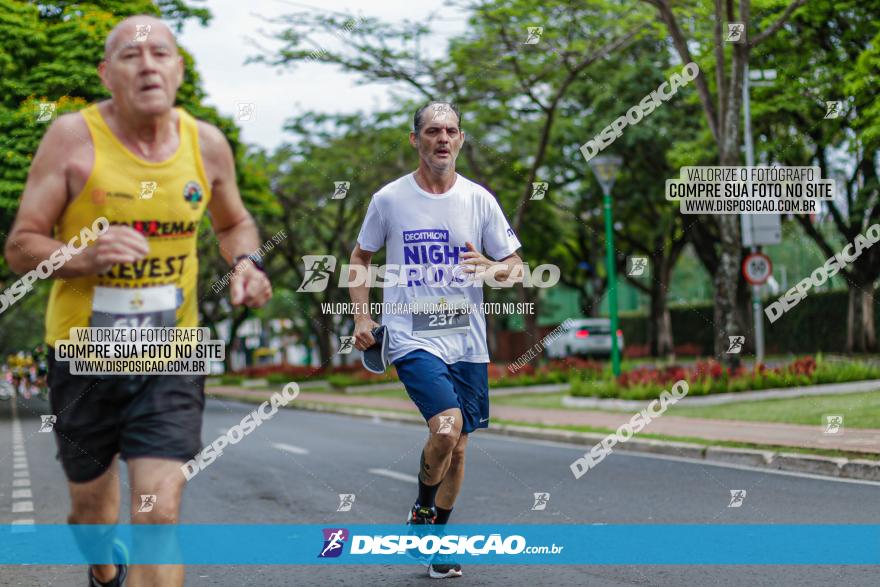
<point>427,493</point>
<point>442,516</point>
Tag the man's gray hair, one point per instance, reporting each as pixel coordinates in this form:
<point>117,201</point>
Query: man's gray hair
<point>438,108</point>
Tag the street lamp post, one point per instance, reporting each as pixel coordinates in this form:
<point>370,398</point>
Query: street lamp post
<point>605,168</point>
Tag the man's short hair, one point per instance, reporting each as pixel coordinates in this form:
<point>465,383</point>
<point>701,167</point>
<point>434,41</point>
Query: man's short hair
<point>417,119</point>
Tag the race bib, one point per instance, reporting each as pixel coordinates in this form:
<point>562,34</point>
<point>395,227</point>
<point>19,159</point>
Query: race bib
<point>147,307</point>
<point>440,316</point>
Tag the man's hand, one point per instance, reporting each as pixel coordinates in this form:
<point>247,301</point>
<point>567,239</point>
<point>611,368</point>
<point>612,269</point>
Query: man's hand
<point>120,244</point>
<point>249,286</point>
<point>363,332</point>
<point>477,264</point>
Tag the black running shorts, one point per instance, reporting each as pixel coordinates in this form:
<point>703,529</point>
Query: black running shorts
<point>98,416</point>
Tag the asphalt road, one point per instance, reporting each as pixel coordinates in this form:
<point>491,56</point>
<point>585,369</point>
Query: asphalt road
<point>292,468</point>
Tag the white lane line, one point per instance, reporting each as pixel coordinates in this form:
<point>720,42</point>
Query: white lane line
<point>395,475</point>
<point>290,448</point>
<point>19,507</point>
<point>22,498</point>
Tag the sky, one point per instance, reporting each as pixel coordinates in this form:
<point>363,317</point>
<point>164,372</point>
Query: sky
<point>221,48</point>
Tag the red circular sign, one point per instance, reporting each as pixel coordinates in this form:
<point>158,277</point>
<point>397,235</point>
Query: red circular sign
<point>757,268</point>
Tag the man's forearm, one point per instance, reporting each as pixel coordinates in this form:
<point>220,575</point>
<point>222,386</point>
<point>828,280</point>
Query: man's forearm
<point>25,251</point>
<point>360,297</point>
<point>238,240</point>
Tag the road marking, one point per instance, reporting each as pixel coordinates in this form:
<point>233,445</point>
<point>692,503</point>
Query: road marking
<point>290,448</point>
<point>22,499</point>
<point>395,475</point>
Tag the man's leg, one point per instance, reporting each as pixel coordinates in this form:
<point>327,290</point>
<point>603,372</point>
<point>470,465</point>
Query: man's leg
<point>444,432</point>
<point>452,480</point>
<point>97,502</point>
<point>163,479</point>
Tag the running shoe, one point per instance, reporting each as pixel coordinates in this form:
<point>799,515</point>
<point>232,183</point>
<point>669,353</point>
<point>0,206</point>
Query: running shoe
<point>443,567</point>
<point>421,515</point>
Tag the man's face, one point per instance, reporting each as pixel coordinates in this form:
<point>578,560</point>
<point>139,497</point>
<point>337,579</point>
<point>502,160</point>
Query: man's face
<point>440,139</point>
<point>142,68</point>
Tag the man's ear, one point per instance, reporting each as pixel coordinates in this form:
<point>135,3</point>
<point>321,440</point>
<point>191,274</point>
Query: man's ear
<point>412,139</point>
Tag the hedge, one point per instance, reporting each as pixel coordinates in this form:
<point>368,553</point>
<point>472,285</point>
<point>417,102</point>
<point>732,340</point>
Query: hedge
<point>816,324</point>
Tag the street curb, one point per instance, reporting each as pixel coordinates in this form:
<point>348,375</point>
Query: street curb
<point>861,469</point>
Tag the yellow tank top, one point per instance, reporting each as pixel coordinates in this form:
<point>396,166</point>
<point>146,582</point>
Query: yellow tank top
<point>163,201</point>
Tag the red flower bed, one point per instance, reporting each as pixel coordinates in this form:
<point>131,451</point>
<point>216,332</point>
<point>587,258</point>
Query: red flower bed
<point>709,369</point>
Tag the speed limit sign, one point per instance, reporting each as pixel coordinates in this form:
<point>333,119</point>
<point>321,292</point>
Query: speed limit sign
<point>757,268</point>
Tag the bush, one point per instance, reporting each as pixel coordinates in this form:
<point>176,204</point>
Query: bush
<point>816,324</point>
<point>231,380</point>
<point>710,377</point>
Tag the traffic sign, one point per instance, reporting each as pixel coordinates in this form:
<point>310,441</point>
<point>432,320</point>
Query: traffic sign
<point>757,268</point>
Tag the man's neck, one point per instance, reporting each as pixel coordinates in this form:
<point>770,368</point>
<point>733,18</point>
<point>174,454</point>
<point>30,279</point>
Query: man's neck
<point>435,182</point>
<point>148,133</point>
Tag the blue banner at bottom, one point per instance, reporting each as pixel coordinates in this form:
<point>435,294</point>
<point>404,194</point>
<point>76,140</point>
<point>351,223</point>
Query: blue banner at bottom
<point>760,544</point>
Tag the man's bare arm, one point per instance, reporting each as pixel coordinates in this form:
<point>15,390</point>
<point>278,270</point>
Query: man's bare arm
<point>360,297</point>
<point>234,226</point>
<point>43,201</point>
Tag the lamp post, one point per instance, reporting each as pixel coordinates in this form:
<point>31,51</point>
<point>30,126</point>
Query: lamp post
<point>605,169</point>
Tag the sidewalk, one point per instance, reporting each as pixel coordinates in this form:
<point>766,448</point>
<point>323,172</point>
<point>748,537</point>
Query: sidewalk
<point>764,433</point>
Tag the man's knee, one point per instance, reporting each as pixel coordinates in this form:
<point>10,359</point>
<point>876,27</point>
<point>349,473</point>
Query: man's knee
<point>444,442</point>
<point>160,506</point>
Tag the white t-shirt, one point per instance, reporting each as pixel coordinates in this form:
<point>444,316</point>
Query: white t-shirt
<point>425,235</point>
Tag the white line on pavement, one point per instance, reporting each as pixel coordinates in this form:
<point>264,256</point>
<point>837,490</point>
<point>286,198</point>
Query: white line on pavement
<point>21,482</point>
<point>395,475</point>
<point>290,448</point>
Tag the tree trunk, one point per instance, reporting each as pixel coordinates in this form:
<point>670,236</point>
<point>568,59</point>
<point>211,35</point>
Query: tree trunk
<point>660,325</point>
<point>861,336</point>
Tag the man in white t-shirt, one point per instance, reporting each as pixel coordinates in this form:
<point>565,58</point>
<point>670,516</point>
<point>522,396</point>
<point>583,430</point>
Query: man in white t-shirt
<point>434,224</point>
